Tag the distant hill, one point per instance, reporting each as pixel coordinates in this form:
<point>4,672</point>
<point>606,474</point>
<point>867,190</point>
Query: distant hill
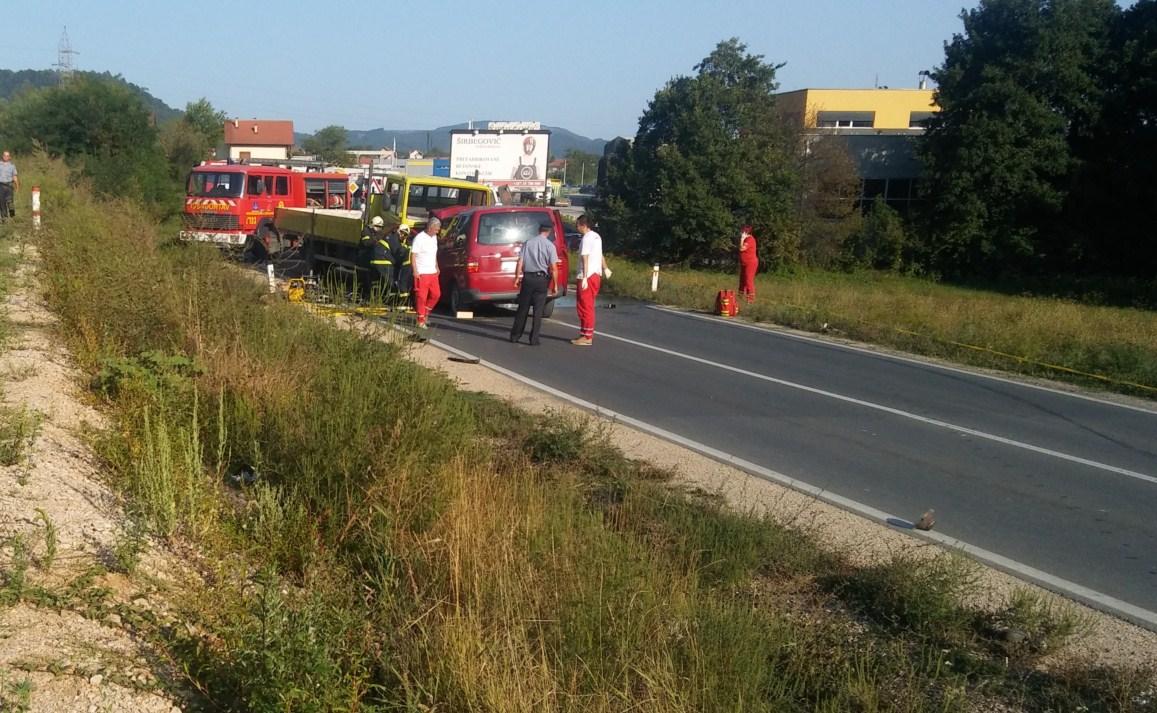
<point>13,82</point>
<point>561,140</point>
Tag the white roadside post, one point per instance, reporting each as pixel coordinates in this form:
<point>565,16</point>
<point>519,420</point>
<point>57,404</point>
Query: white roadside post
<point>655,278</point>
<point>36,207</point>
<point>272,280</point>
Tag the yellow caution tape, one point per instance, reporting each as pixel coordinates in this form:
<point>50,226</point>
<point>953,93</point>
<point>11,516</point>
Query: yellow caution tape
<point>996,352</point>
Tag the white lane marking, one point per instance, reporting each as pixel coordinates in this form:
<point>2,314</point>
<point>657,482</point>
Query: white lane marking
<point>1091,597</point>
<point>886,409</point>
<point>772,331</point>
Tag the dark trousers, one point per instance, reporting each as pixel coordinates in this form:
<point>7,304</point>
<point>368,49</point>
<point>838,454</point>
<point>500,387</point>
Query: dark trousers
<point>7,210</point>
<point>383,286</point>
<point>535,285</point>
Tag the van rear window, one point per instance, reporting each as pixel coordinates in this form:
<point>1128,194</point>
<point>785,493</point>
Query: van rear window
<point>508,228</point>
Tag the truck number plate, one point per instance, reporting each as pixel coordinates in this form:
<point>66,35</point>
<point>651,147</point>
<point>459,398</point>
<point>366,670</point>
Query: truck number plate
<point>508,264</point>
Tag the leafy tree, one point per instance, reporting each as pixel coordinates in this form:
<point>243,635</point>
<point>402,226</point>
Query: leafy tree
<point>101,125</point>
<point>205,120</point>
<point>581,167</point>
<point>880,242</point>
<point>83,117</point>
<point>1110,208</point>
<point>1016,90</point>
<point>709,156</point>
<point>184,147</point>
<point>828,195</point>
<point>188,140</point>
<point>329,145</point>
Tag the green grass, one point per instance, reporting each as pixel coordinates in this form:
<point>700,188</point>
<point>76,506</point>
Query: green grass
<point>990,329</point>
<point>396,544</point>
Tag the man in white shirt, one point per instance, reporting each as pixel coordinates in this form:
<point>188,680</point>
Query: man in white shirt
<point>424,261</point>
<point>590,278</point>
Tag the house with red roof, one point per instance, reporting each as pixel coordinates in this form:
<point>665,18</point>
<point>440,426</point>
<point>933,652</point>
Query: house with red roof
<point>258,139</point>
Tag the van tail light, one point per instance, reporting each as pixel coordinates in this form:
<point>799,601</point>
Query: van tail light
<point>471,266</point>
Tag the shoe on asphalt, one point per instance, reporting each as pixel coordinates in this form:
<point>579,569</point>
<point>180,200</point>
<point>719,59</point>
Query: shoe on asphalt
<point>423,326</point>
<point>535,344</point>
<point>582,341</point>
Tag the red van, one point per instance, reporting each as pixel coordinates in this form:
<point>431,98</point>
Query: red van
<point>479,248</point>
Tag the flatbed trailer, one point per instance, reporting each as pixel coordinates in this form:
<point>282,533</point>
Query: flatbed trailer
<point>330,237</point>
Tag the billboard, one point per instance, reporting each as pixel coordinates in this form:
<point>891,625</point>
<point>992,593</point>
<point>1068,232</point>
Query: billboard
<point>515,159</point>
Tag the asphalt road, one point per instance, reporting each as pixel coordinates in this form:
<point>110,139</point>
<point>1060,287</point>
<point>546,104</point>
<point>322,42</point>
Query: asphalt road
<point>1051,481</point>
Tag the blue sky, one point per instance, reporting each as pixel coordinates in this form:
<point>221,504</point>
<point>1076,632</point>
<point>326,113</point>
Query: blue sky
<point>588,66</point>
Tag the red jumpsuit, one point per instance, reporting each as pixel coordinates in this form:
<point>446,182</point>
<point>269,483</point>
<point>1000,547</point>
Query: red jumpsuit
<point>748,264</point>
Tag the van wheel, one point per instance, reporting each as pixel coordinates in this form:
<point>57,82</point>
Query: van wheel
<point>458,301</point>
<point>548,309</point>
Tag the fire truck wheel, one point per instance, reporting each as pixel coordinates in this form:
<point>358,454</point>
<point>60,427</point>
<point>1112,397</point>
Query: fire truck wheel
<point>254,251</point>
<point>270,238</point>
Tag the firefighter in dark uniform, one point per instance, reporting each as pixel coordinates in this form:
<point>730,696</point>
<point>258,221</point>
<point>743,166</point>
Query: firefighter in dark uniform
<point>404,272</point>
<point>383,258</point>
<point>370,236</point>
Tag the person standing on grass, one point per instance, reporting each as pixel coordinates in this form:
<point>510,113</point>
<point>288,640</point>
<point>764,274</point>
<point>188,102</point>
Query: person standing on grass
<point>748,263</point>
<point>9,184</point>
<point>536,270</point>
<point>589,280</point>
<point>424,258</point>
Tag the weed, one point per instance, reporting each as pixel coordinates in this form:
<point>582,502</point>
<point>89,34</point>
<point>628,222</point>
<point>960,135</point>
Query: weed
<point>557,438</point>
<point>18,429</point>
<point>16,695</point>
<point>129,545</point>
<point>1032,624</point>
<point>14,576</point>
<point>919,595</point>
<point>152,371</point>
<point>19,373</point>
<point>44,562</point>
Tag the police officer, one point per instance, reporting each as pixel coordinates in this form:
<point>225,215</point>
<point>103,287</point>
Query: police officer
<point>537,268</point>
<point>9,184</point>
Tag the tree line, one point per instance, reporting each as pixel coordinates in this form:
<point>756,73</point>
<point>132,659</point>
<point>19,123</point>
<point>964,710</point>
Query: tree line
<point>1042,160</point>
<point>102,127</point>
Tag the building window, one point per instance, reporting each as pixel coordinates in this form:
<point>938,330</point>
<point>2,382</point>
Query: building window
<point>919,119</point>
<point>845,119</point>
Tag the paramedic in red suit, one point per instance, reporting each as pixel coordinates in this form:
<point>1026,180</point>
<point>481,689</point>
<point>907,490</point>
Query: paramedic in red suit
<point>424,261</point>
<point>748,263</point>
<point>590,278</point>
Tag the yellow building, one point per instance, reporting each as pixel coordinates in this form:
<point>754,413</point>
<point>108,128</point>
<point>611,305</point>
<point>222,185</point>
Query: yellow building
<point>879,109</point>
<point>880,128</point>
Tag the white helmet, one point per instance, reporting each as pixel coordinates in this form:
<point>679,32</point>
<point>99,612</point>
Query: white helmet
<point>377,222</point>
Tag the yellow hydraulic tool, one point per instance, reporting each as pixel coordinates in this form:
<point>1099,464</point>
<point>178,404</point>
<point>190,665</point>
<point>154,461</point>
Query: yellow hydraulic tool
<point>295,289</point>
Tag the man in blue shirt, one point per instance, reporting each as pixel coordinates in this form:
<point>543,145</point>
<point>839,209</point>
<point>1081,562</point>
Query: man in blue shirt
<point>537,268</point>
<point>9,184</point>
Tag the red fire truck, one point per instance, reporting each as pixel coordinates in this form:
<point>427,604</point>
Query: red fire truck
<point>233,204</point>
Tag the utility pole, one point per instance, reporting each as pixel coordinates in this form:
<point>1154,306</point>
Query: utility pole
<point>64,55</point>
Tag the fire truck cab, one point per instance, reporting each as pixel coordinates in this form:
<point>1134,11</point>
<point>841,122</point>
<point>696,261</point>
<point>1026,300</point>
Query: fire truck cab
<point>232,205</point>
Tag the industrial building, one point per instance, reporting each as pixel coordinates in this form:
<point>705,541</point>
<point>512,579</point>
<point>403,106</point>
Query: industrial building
<point>879,127</point>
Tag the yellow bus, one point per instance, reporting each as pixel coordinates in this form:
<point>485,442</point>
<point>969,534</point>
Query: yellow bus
<point>412,198</point>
